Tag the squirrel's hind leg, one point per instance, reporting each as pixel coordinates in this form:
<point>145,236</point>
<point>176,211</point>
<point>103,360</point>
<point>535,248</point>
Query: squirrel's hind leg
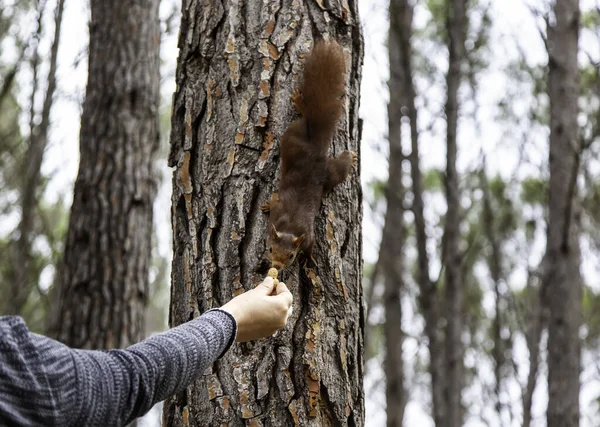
<point>338,169</point>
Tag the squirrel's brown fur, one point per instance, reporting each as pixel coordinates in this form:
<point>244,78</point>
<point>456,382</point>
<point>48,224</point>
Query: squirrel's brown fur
<point>307,174</point>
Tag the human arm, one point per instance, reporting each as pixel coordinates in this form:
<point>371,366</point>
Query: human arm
<point>43,382</point>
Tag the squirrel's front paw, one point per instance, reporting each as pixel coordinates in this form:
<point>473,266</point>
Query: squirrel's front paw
<point>354,155</point>
<point>298,100</point>
<point>266,206</point>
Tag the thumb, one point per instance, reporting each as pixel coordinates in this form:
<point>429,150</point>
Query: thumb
<point>266,286</point>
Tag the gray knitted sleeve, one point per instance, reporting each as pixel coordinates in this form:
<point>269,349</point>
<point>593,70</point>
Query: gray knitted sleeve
<point>43,382</point>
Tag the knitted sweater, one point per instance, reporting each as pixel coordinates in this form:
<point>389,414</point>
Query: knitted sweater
<point>43,382</point>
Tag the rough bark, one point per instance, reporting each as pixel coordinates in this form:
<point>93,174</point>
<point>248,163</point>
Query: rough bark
<point>563,258</point>
<point>38,139</point>
<point>103,282</point>
<point>239,63</point>
<point>401,14</point>
<point>394,236</point>
<point>452,259</point>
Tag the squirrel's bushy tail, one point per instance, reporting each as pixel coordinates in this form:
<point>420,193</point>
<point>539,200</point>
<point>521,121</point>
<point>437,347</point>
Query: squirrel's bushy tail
<point>322,88</point>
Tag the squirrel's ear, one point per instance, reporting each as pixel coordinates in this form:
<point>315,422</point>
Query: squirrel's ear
<point>298,240</point>
<point>274,232</point>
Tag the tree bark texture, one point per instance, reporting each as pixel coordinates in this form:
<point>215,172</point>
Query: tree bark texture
<point>562,261</point>
<point>38,140</point>
<point>239,63</point>
<point>452,259</point>
<point>103,285</point>
<point>394,236</point>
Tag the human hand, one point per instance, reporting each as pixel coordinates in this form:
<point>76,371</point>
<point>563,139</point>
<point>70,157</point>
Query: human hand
<point>260,312</point>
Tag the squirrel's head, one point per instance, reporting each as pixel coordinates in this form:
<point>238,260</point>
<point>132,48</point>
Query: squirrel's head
<point>282,248</point>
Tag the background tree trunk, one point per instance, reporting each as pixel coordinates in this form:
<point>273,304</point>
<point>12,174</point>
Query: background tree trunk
<point>563,258</point>
<point>401,19</point>
<point>536,323</point>
<point>452,258</point>
<point>495,265</point>
<point>393,235</point>
<point>239,63</point>
<point>104,277</point>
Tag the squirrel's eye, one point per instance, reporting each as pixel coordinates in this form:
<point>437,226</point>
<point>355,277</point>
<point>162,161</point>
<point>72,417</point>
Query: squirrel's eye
<point>291,256</point>
<point>271,250</point>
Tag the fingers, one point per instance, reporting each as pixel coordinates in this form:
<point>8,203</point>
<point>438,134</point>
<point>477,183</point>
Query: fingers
<point>266,286</point>
<point>281,288</point>
<point>283,292</point>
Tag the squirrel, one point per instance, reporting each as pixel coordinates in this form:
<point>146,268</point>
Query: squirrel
<point>307,173</point>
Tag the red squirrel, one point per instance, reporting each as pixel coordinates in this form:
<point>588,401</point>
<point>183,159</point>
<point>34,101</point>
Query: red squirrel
<point>307,173</point>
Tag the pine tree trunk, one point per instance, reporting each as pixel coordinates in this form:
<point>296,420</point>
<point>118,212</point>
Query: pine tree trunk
<point>401,16</point>
<point>494,261</point>
<point>393,236</point>
<point>239,63</point>
<point>452,259</point>
<point>563,258</point>
<point>104,276</point>
<point>536,322</point>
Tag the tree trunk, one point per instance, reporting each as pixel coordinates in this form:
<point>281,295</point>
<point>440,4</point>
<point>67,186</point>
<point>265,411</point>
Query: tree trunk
<point>537,322</point>
<point>563,279</point>
<point>393,236</point>
<point>452,259</point>
<point>239,63</point>
<point>494,262</point>
<point>104,276</point>
<point>401,15</point>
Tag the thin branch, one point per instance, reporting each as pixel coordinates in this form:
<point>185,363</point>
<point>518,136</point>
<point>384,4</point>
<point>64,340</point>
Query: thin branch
<point>10,76</point>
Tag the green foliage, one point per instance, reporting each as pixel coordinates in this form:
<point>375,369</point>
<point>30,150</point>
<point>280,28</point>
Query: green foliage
<point>590,19</point>
<point>529,79</point>
<point>591,317</point>
<point>472,303</point>
<point>433,180</point>
<point>506,220</point>
<point>436,31</point>
<point>368,269</point>
<point>589,78</point>
<point>477,41</point>
<point>534,191</point>
<point>49,219</point>
<point>375,342</point>
<point>377,188</point>
<point>592,201</point>
<point>48,236</point>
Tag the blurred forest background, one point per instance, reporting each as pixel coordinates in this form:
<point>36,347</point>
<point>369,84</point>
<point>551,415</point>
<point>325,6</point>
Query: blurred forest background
<point>474,286</point>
